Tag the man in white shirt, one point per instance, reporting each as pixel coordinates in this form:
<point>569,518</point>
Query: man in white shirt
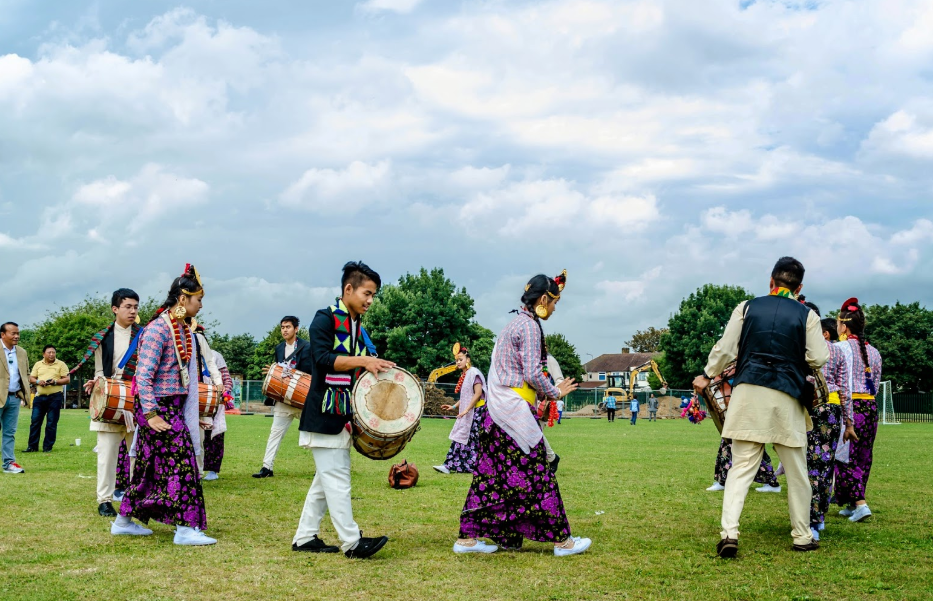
<point>14,387</point>
<point>109,348</point>
<point>294,352</point>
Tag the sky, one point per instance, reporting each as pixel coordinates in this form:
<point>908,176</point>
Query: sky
<point>648,147</point>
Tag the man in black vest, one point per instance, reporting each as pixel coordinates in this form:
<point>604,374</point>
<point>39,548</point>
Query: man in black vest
<point>777,342</point>
<point>296,353</point>
<point>341,353</point>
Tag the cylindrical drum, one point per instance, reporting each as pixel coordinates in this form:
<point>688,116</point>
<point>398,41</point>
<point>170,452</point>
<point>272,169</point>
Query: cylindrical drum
<point>387,412</point>
<point>209,398</point>
<point>109,399</point>
<point>288,386</point>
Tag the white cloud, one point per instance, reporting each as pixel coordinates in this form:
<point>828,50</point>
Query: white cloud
<point>903,134</point>
<point>339,191</point>
<point>629,290</point>
<point>397,6</point>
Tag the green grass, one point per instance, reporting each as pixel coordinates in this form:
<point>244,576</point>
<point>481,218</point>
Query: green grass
<point>637,492</point>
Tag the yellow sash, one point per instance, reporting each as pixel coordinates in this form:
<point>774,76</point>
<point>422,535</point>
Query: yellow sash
<point>863,396</point>
<point>526,392</point>
<point>480,403</point>
<point>833,399</point>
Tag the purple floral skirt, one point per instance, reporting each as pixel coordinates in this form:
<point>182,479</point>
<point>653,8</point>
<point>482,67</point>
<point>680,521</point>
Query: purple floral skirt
<point>165,485</point>
<point>123,467</point>
<point>461,458</point>
<point>765,474</point>
<point>213,451</point>
<point>852,477</point>
<point>821,457</point>
<point>513,495</point>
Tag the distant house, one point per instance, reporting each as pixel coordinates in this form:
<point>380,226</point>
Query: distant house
<point>614,370</point>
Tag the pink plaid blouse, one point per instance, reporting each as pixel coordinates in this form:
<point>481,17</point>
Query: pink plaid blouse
<point>518,356</point>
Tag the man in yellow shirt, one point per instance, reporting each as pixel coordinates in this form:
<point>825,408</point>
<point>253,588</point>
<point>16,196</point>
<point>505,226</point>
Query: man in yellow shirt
<point>49,375</point>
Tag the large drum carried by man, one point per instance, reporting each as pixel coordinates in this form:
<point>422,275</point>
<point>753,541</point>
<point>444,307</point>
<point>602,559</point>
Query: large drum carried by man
<point>387,412</point>
<point>288,386</point>
<point>111,400</point>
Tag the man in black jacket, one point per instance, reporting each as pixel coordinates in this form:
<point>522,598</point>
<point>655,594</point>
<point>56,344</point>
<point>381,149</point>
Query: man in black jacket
<point>340,355</point>
<point>296,353</point>
<point>777,342</point>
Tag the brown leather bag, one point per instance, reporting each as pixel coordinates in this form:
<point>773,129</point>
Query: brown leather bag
<point>403,475</point>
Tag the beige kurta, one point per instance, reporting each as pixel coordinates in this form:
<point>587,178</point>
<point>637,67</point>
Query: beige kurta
<point>760,414</point>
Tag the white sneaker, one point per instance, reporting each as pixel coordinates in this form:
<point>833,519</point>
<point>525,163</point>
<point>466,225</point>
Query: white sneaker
<point>768,488</point>
<point>442,469</point>
<point>861,512</point>
<point>192,536</point>
<point>479,547</point>
<point>118,495</point>
<point>847,512</point>
<point>779,471</point>
<point>13,468</point>
<point>211,476</point>
<point>579,546</point>
<point>131,529</point>
<point>716,487</point>
<point>815,533</point>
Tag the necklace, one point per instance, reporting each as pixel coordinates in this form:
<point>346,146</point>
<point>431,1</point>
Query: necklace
<point>184,351</point>
<point>460,382</point>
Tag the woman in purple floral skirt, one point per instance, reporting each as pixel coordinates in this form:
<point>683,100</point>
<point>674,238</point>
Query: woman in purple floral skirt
<point>514,494</point>
<point>472,412</point>
<point>166,485</point>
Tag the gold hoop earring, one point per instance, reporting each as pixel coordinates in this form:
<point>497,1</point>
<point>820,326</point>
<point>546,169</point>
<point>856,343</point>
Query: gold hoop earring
<point>180,312</point>
<point>541,311</point>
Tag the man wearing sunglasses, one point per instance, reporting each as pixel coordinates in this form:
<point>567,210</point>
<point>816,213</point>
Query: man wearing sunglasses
<point>14,387</point>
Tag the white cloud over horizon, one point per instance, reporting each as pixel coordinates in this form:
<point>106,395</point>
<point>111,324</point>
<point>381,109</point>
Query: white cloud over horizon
<point>649,147</point>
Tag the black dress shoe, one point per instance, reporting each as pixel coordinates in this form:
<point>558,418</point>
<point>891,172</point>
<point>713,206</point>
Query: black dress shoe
<point>727,548</point>
<point>811,546</point>
<point>554,464</point>
<point>367,547</point>
<point>263,473</point>
<point>46,450</point>
<point>315,545</point>
<point>31,451</point>
<point>106,510</point>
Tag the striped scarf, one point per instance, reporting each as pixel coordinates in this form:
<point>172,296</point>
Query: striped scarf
<point>339,385</point>
<point>129,370</point>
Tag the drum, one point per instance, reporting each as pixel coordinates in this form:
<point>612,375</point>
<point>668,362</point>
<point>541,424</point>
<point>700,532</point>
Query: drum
<point>719,391</point>
<point>387,412</point>
<point>109,399</point>
<point>717,395</point>
<point>209,398</point>
<point>287,386</point>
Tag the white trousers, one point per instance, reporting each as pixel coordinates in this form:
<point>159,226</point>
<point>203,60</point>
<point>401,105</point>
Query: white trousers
<point>108,452</point>
<point>746,458</point>
<point>330,490</point>
<point>280,426</point>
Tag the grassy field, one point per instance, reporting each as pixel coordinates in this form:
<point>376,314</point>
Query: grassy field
<point>638,492</point>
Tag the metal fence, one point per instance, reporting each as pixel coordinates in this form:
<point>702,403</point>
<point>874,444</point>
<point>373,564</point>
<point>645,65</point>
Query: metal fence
<point>913,407</point>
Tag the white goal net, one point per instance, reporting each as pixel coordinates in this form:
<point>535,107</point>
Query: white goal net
<point>888,417</point>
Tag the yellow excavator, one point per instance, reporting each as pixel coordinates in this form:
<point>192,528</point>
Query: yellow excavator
<point>440,372</point>
<point>627,395</point>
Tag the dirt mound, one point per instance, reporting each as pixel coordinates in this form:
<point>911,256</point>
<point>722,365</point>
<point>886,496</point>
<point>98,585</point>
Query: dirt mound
<point>434,397</point>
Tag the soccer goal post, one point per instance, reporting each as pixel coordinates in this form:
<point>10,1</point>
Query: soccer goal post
<point>888,417</point>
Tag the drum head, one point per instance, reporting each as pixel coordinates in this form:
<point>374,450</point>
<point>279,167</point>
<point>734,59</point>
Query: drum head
<point>98,397</point>
<point>390,403</point>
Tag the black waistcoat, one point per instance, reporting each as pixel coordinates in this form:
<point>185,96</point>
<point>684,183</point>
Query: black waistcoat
<point>106,354</point>
<point>773,346</point>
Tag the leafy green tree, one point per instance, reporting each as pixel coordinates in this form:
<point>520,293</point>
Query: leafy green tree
<point>237,350</point>
<point>482,341</point>
<point>566,355</point>
<point>416,322</point>
<point>264,352</point>
<point>646,341</point>
<point>695,328</point>
<point>903,334</point>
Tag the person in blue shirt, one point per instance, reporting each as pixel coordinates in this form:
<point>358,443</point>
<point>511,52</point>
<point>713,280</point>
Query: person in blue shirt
<point>634,408</point>
<point>611,407</point>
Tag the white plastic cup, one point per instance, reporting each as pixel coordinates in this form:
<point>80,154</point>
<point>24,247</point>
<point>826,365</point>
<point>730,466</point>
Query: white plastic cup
<point>77,442</point>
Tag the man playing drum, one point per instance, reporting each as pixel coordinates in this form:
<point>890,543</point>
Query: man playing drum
<point>777,341</point>
<point>339,356</point>
<point>296,353</point>
<point>108,348</point>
